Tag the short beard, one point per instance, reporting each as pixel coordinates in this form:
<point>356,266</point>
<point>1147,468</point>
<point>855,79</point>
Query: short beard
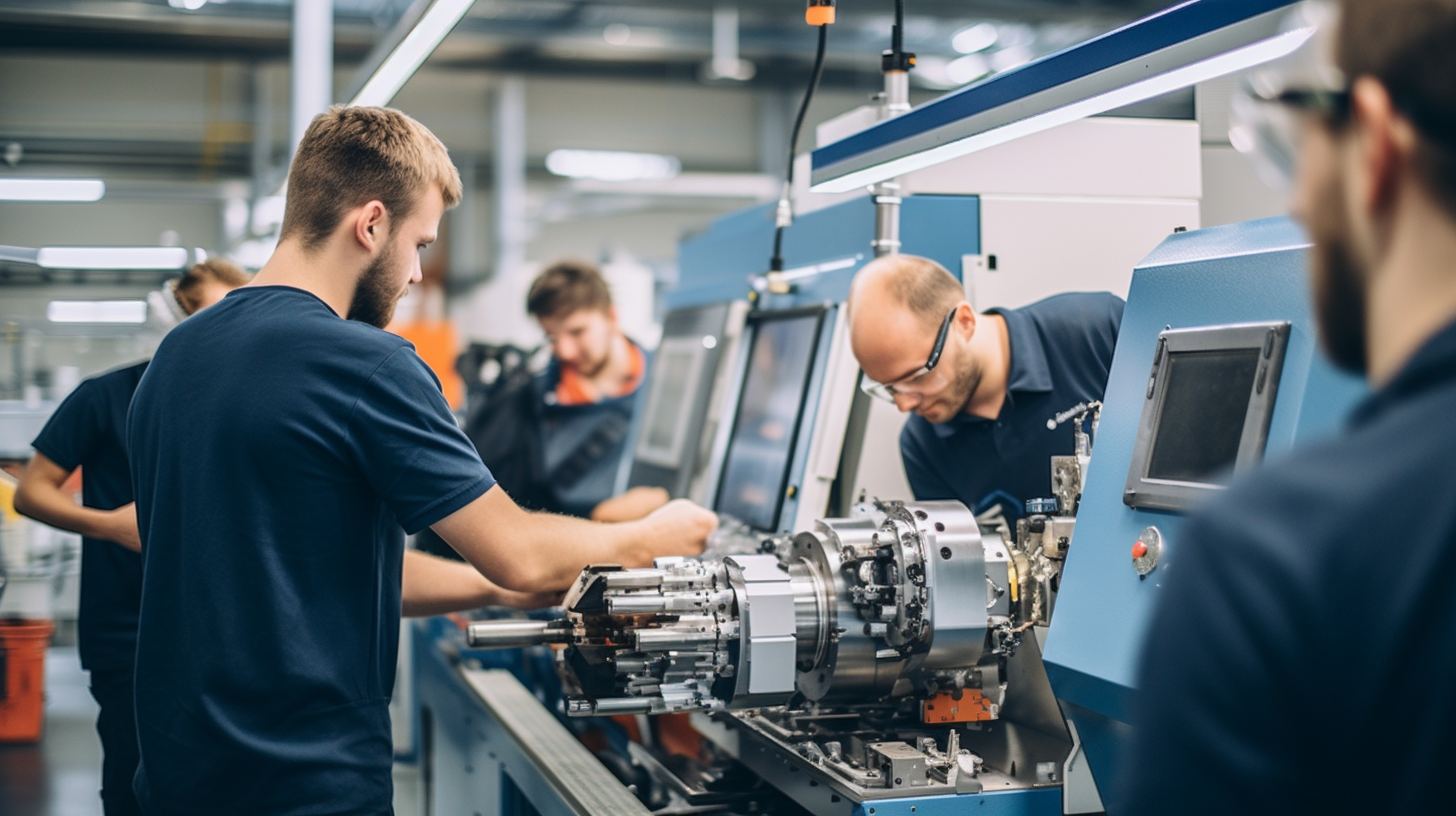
<point>375,296</point>
<point>964,387</point>
<point>597,366</point>
<point>1338,285</point>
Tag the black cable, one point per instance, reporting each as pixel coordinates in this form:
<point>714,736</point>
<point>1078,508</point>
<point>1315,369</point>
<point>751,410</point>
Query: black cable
<point>776,263</point>
<point>896,42</point>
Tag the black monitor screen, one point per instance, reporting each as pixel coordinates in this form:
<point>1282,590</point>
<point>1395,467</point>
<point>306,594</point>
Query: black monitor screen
<point>756,467</point>
<point>1201,420</point>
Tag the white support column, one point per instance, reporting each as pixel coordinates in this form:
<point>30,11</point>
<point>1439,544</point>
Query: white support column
<point>510,176</point>
<point>313,65</point>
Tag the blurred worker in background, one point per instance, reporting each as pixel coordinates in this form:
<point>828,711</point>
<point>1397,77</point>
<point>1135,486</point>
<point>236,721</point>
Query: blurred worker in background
<point>88,431</point>
<point>1303,653</point>
<point>982,386</point>
<point>282,444</point>
<point>582,402</point>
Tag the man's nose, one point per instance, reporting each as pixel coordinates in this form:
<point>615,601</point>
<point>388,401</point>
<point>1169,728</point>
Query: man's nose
<point>906,401</point>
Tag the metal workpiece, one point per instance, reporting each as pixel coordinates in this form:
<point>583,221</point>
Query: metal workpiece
<point>510,634</point>
<point>898,604</point>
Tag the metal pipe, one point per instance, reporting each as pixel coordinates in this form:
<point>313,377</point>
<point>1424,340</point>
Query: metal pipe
<point>313,65</point>
<point>510,176</point>
<point>511,634</point>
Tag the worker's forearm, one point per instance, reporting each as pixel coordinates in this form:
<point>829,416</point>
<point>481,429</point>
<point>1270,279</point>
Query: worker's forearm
<point>540,552</point>
<point>59,509</point>
<point>435,586</point>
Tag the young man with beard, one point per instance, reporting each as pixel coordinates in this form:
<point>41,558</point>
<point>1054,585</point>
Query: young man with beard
<point>582,402</point>
<point>982,386</point>
<point>88,431</point>
<point>279,453</point>
<point>1303,654</point>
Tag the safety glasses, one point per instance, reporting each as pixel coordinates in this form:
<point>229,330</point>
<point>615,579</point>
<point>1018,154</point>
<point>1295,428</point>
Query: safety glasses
<point>912,383</point>
<point>1271,106</point>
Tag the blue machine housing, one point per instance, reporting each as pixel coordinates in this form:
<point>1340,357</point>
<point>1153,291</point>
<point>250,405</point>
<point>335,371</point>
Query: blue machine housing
<point>715,266</point>
<point>1237,274</point>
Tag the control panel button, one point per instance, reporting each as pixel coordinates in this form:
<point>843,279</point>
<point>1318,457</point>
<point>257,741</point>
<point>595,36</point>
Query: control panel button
<point>1146,551</point>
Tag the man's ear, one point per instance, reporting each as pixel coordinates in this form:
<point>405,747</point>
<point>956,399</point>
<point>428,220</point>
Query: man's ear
<point>1383,144</point>
<point>371,225</point>
<point>965,320</point>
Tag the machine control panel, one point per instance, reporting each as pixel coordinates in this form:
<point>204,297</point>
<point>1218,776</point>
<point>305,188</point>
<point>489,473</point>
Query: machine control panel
<point>1146,550</point>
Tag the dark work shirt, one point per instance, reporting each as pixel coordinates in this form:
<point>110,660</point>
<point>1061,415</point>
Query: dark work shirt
<point>279,455</point>
<point>1306,632</point>
<point>1061,351</point>
<point>581,445</point>
<point>88,431</point>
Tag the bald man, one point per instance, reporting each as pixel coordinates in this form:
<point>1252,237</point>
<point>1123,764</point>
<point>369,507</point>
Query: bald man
<point>982,386</point>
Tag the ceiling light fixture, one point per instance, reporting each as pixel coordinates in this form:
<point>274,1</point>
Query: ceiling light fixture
<point>51,189</point>
<point>612,165</point>
<point>406,58</point>
<point>97,311</point>
<point>108,258</point>
<point>841,169</point>
<point>975,38</point>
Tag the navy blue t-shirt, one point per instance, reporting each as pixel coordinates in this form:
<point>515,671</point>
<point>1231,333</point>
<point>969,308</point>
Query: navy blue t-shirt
<point>1061,351</point>
<point>1302,658</point>
<point>88,430</point>
<point>279,454</point>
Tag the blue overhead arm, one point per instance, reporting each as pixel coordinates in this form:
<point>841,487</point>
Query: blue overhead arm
<point>1212,37</point>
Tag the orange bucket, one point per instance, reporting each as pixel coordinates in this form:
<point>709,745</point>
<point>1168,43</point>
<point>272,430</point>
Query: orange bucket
<point>22,670</point>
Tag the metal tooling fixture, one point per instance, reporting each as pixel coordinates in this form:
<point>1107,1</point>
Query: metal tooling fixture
<point>893,655</point>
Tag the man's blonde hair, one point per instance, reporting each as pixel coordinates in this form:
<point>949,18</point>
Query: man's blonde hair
<point>350,156</point>
<point>188,288</point>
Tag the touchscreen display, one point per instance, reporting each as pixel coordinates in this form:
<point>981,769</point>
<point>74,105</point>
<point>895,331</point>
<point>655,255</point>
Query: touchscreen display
<point>756,468</point>
<point>1201,420</point>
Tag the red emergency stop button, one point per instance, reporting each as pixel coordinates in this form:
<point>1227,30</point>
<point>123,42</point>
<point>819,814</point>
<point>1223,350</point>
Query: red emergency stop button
<point>1139,550</point>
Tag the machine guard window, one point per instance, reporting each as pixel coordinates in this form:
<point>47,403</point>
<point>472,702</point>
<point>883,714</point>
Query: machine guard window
<point>783,346</point>
<point>1206,412</point>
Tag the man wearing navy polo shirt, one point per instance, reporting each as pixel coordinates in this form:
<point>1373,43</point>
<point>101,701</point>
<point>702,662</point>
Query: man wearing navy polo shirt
<point>281,446</point>
<point>982,386</point>
<point>1302,654</point>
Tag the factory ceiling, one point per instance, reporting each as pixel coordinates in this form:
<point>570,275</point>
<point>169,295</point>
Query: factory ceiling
<point>637,38</point>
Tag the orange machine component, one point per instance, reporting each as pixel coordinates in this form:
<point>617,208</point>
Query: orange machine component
<point>972,706</point>
<point>819,13</point>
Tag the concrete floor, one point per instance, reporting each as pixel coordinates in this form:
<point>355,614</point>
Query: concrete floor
<point>62,775</point>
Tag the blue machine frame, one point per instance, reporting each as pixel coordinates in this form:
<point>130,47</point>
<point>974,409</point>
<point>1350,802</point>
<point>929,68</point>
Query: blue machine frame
<point>1236,274</point>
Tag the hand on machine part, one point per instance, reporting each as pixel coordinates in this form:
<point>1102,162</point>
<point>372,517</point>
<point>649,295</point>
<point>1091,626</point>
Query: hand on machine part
<point>679,527</point>
<point>534,552</point>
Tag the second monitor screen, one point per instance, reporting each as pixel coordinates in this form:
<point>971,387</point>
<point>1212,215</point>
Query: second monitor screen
<point>756,469</point>
<point>1203,412</point>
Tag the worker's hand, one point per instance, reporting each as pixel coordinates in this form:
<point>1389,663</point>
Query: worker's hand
<point>120,525</point>
<point>680,528</point>
<point>634,504</point>
<point>527,600</point>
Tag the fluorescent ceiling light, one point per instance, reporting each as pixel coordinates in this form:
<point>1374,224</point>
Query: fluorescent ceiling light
<point>1239,59</point>
<point>97,311</point>
<point>412,52</point>
<point>51,189</point>
<point>111,257</point>
<point>612,165</point>
<point>975,38</point>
